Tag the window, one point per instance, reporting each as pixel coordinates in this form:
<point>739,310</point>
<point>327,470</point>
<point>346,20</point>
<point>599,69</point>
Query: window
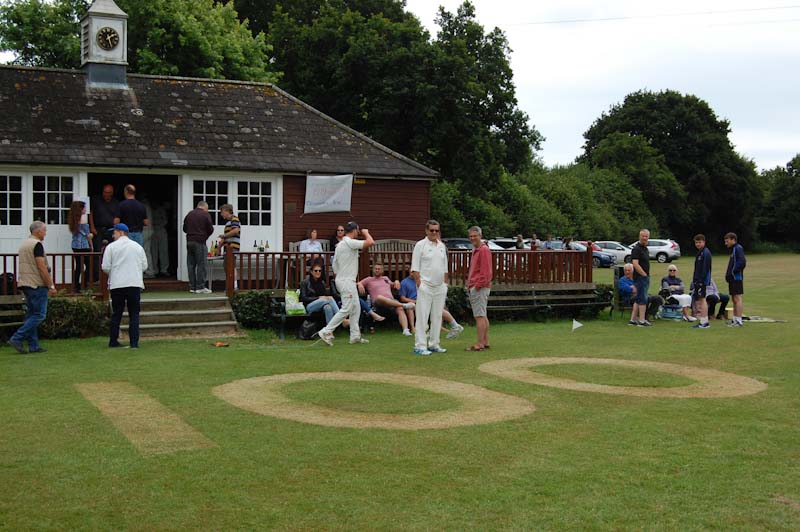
<point>52,196</point>
<point>215,193</point>
<point>254,203</point>
<point>10,200</point>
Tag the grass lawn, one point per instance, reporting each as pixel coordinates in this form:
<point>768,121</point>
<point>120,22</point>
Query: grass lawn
<point>580,460</point>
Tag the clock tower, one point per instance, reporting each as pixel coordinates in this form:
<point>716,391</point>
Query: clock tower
<point>104,44</point>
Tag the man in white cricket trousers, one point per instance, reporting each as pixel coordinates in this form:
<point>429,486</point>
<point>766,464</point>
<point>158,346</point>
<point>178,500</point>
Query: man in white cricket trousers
<point>345,266</point>
<point>429,269</point>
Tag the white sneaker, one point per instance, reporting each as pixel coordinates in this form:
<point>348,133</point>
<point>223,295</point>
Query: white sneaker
<point>408,306</point>
<point>359,340</point>
<point>455,330</point>
<point>204,291</point>
<point>192,291</point>
<point>406,332</point>
<point>326,337</point>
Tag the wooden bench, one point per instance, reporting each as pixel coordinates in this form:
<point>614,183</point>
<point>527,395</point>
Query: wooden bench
<point>393,245</point>
<point>545,296</point>
<point>278,309</point>
<point>12,312</point>
<point>294,247</point>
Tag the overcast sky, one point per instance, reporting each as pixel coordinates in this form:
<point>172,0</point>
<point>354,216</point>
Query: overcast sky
<point>741,57</point>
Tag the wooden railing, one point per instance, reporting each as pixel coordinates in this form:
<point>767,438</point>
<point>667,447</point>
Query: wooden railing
<point>61,268</point>
<point>259,271</point>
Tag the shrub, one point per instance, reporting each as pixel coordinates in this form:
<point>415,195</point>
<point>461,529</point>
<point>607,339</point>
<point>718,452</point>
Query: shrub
<point>74,317</point>
<point>458,303</point>
<point>253,309</point>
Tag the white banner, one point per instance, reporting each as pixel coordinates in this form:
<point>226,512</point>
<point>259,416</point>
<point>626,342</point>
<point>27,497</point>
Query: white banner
<point>328,193</point>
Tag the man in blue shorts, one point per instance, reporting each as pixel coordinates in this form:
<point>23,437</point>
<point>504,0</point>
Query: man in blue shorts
<point>735,277</point>
<point>640,258</point>
<point>700,280</point>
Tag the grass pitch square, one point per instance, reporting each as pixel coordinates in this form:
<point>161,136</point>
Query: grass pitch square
<point>156,448</point>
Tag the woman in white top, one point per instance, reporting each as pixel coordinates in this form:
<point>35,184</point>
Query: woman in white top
<point>311,244</point>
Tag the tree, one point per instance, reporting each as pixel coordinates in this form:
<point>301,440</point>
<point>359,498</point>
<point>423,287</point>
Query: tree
<point>720,185</point>
<point>781,216</point>
<point>199,38</point>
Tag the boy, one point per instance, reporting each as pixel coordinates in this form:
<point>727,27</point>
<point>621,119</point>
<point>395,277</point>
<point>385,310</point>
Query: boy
<point>735,277</point>
<point>701,279</point>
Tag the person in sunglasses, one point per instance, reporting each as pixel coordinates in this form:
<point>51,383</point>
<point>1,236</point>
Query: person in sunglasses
<point>315,295</point>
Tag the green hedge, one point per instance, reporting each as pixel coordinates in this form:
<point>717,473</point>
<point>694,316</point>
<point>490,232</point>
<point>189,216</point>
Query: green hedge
<point>253,309</point>
<point>74,317</point>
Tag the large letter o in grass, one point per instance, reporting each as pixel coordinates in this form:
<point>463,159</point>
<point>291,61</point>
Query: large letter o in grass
<point>262,395</point>
<point>710,382</point>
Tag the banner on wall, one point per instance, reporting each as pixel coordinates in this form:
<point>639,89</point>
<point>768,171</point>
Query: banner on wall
<point>328,193</point>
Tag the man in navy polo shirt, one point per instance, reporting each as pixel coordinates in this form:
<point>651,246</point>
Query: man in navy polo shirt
<point>133,214</point>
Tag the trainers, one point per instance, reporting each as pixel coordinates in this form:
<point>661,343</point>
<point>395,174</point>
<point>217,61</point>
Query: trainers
<point>406,332</point>
<point>644,323</point>
<point>734,324</point>
<point>689,318</point>
<point>701,326</point>
<point>421,352</point>
<point>359,340</point>
<point>18,346</point>
<point>633,322</point>
<point>408,306</point>
<point>192,291</point>
<point>455,330</point>
<point>437,350</point>
<point>326,337</point>
<point>204,291</point>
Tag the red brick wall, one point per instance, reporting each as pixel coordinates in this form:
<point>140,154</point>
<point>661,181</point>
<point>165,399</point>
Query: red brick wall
<point>388,208</point>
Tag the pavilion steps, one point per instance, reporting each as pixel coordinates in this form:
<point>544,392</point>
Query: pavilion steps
<point>198,316</point>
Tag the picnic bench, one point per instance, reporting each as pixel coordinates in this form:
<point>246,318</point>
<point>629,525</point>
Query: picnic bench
<point>12,313</point>
<point>545,297</point>
<point>278,309</point>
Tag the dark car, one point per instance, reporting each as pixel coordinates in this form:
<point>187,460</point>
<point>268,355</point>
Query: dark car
<point>599,259</point>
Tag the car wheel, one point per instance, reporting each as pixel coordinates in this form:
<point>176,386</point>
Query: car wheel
<point>595,262</point>
<point>627,259</point>
<point>662,258</point>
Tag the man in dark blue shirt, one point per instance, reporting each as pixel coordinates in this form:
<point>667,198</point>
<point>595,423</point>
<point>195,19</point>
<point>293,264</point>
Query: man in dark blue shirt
<point>133,214</point>
<point>735,277</point>
<point>701,279</point>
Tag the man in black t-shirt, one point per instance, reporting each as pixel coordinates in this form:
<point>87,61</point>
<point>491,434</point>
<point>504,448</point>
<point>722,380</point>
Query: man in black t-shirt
<point>133,214</point>
<point>640,258</point>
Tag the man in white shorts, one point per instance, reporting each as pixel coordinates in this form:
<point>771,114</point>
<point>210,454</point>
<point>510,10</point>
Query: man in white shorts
<point>345,266</point>
<point>429,269</point>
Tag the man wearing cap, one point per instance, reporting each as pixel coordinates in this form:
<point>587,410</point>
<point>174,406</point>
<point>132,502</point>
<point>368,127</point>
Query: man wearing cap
<point>125,262</point>
<point>35,282</point>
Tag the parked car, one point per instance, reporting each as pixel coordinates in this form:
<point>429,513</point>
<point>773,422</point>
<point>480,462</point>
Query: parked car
<point>663,250</point>
<point>465,243</point>
<point>599,259</point>
<point>510,243</point>
<point>619,250</point>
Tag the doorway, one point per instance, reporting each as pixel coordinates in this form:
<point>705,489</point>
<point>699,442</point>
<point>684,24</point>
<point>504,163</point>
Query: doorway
<point>159,193</point>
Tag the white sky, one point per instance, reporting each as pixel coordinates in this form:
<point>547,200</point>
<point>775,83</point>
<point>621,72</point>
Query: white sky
<point>745,64</point>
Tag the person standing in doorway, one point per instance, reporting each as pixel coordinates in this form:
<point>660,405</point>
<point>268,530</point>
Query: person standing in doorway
<point>133,214</point>
<point>198,227</point>
<point>103,212</point>
<point>700,280</point>
<point>81,243</point>
<point>735,277</point>
<point>640,258</point>
<point>125,262</point>
<point>231,237</point>
<point>429,269</point>
<point>159,241</point>
<point>479,285</point>
<point>345,266</point>
<point>35,282</point>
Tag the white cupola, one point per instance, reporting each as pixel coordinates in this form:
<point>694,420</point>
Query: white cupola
<point>104,43</point>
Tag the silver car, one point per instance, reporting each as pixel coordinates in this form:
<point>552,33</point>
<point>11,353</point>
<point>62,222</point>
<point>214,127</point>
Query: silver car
<point>663,250</point>
<point>617,249</point>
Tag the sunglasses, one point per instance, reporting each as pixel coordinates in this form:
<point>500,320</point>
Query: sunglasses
<point>317,271</point>
<point>340,230</point>
<point>433,230</point>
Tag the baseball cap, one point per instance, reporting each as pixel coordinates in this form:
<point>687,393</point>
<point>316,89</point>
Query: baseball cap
<point>121,227</point>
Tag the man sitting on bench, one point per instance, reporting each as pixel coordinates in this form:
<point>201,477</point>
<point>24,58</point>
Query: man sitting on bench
<point>379,287</point>
<point>627,292</point>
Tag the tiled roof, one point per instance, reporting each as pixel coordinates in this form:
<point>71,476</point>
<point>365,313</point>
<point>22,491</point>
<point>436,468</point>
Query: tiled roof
<point>50,116</point>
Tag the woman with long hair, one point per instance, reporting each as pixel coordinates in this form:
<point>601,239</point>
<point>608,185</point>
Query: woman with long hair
<point>81,243</point>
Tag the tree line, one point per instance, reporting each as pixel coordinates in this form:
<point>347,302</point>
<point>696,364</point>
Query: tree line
<point>661,160</point>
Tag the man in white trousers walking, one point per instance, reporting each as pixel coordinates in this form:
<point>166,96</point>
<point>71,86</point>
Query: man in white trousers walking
<point>429,269</point>
<point>345,266</point>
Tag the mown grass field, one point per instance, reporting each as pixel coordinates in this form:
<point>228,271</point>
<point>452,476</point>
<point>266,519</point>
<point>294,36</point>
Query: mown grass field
<point>581,460</point>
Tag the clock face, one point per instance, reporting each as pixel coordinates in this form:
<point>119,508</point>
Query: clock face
<point>107,38</point>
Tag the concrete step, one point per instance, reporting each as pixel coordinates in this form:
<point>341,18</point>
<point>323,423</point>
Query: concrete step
<point>208,329</point>
<point>182,316</point>
<point>190,302</point>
